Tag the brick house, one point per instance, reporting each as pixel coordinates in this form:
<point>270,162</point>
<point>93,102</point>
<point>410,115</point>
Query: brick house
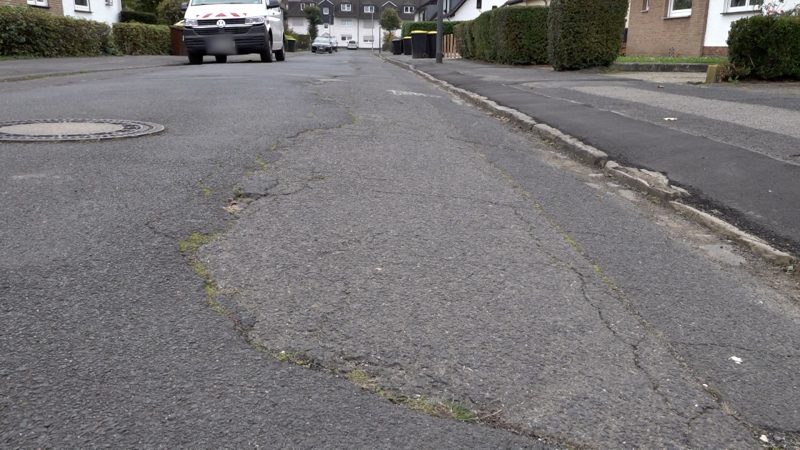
<point>686,27</point>
<point>348,20</point>
<point>99,10</point>
<point>51,6</point>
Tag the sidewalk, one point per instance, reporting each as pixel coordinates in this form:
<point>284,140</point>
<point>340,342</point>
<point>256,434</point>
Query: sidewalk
<point>734,147</point>
<point>22,69</point>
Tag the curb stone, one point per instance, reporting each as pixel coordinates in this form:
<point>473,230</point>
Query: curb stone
<point>653,183</point>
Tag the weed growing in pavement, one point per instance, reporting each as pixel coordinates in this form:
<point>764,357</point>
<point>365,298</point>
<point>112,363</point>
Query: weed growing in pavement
<point>446,409</point>
<point>190,245</point>
<point>262,164</point>
<point>189,248</point>
<point>205,189</point>
<point>572,242</point>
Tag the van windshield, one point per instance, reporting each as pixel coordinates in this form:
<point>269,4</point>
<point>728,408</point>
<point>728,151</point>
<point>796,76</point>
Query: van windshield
<point>226,2</point>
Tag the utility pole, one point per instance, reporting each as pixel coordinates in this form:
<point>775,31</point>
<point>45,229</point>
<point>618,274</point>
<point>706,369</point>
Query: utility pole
<point>439,29</point>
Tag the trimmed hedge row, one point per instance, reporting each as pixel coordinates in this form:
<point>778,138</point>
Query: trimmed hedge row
<point>408,27</point>
<point>31,32</point>
<point>585,33</point>
<point>515,35</point>
<point>138,16</point>
<point>766,47</point>
<point>142,39</point>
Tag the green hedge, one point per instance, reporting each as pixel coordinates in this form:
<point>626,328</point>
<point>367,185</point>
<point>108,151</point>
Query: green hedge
<point>137,16</point>
<point>521,35</point>
<point>31,32</point>
<point>303,42</point>
<point>464,39</point>
<point>142,39</point>
<point>585,33</point>
<point>408,27</point>
<point>766,47</point>
<point>516,35</point>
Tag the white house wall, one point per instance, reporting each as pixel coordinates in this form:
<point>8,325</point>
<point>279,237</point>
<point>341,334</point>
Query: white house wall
<point>359,30</point>
<point>719,21</point>
<point>469,10</point>
<point>100,10</point>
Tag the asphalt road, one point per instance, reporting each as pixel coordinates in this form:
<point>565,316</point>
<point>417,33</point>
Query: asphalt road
<point>105,335</point>
<point>395,233</point>
<point>734,147</point>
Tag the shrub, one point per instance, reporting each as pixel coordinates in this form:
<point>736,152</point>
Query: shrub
<point>31,32</point>
<point>137,16</point>
<point>521,35</point>
<point>463,33</point>
<point>515,35</point>
<point>408,27</point>
<point>303,41</point>
<point>766,47</point>
<point>142,39</point>
<point>585,33</point>
<point>169,11</point>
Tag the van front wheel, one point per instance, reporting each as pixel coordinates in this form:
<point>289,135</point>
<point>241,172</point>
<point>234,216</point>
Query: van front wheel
<point>266,54</point>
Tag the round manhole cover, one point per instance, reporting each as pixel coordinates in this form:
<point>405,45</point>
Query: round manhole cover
<point>74,129</point>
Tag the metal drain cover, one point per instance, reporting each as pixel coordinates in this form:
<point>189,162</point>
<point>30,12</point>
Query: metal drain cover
<point>74,129</point>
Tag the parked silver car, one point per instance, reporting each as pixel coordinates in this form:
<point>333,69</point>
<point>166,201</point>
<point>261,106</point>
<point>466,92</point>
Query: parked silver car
<point>321,44</point>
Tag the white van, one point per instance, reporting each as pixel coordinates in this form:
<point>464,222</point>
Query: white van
<point>233,27</point>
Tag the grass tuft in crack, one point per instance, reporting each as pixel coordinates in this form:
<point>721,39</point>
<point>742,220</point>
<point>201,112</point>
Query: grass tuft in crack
<point>189,248</point>
<point>191,244</point>
<point>429,406</point>
<point>262,164</point>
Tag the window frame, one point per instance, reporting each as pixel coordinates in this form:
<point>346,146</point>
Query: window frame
<point>326,11</point>
<point>408,9</point>
<point>371,7</point>
<point>749,7</point>
<point>38,3</point>
<point>83,8</point>
<point>645,5</point>
<point>346,7</point>
<point>674,13</point>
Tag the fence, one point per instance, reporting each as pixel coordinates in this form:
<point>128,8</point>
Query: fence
<point>449,49</point>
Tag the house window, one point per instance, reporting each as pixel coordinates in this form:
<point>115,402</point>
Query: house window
<point>369,9</point>
<point>347,37</point>
<point>368,38</point>
<point>82,5</point>
<point>347,7</point>
<point>346,22</point>
<point>40,3</point>
<point>302,6</point>
<point>645,5</point>
<point>408,10</point>
<point>479,4</point>
<point>742,5</point>
<point>680,8</point>
<point>326,11</point>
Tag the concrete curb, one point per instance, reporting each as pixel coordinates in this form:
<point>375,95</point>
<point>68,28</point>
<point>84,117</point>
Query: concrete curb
<point>37,76</point>
<point>653,183</point>
<point>659,67</point>
<point>756,245</point>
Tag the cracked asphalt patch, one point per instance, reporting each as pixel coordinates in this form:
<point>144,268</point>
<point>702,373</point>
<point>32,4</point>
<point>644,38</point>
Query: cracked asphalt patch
<point>388,247</point>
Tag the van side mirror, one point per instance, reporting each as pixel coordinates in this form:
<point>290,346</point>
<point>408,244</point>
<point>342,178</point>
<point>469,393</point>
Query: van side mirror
<point>184,6</point>
<point>273,3</point>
